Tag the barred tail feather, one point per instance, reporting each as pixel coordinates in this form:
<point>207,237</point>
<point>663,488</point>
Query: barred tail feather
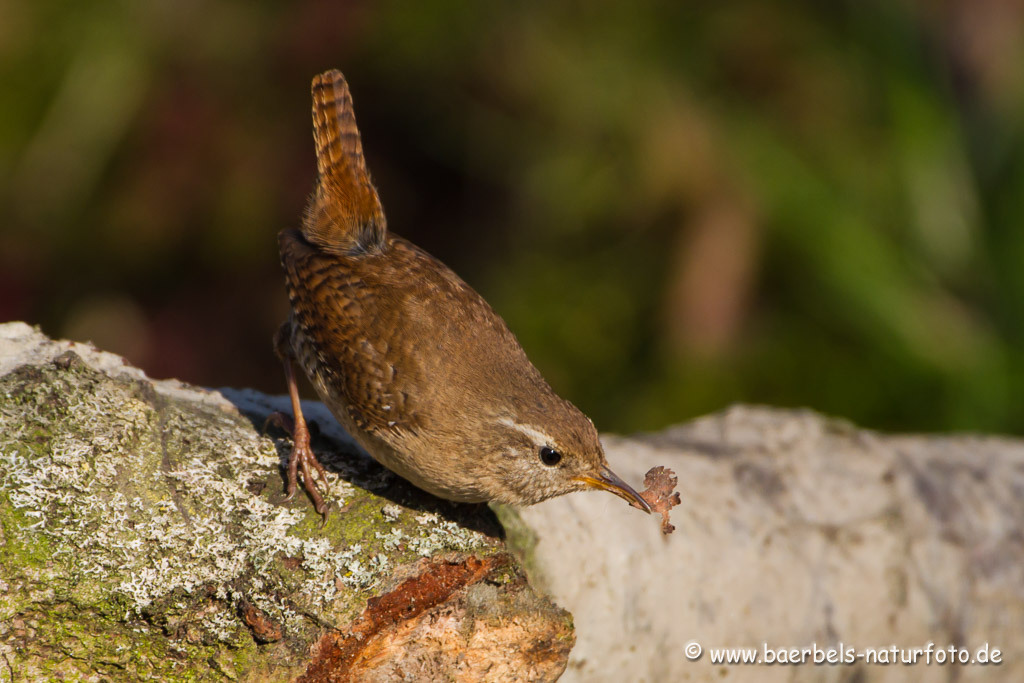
<point>344,215</point>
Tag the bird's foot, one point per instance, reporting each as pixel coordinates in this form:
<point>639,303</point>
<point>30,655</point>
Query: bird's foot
<point>302,459</point>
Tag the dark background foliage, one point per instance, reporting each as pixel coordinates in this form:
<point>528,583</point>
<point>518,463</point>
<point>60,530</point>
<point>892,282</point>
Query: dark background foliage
<point>675,205</point>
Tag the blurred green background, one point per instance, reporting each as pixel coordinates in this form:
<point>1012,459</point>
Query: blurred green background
<point>675,205</point>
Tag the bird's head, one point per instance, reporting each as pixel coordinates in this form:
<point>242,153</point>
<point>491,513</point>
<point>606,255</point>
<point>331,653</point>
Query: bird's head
<point>551,451</point>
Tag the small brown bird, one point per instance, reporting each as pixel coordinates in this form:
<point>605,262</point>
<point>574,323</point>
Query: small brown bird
<point>413,363</point>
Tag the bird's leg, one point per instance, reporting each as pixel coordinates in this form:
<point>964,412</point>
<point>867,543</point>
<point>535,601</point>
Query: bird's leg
<point>302,455</point>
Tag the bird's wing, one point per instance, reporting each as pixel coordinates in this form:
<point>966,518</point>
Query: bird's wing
<point>354,325</point>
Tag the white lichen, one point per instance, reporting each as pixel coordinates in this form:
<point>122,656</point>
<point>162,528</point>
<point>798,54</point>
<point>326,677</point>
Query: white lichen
<point>159,502</point>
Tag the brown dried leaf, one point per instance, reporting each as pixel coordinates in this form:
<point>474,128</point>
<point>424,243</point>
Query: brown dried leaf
<point>660,483</point>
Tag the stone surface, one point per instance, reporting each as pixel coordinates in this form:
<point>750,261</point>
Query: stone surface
<point>142,535</point>
<point>794,530</point>
<point>153,546</point>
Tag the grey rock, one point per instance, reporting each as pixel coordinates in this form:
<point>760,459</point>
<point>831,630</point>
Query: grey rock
<point>795,530</point>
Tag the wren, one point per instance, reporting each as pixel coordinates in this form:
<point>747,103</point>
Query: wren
<point>412,362</point>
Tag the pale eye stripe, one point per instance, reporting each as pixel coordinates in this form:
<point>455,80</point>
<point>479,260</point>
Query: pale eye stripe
<point>538,437</point>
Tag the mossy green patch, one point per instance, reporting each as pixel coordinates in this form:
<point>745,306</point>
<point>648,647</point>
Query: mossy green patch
<point>520,540</point>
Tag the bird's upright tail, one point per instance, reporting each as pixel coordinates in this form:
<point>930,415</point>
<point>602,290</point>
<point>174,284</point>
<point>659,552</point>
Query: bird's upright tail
<point>344,214</point>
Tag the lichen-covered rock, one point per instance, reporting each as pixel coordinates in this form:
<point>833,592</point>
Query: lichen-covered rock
<point>142,535</point>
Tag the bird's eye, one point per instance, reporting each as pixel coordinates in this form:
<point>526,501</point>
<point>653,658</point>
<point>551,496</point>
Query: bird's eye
<point>549,456</point>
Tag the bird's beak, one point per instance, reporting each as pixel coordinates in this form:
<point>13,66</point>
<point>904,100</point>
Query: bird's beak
<point>609,481</point>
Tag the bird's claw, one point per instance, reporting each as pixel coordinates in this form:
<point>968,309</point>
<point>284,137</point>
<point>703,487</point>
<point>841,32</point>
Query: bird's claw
<point>302,459</point>
<point>279,420</point>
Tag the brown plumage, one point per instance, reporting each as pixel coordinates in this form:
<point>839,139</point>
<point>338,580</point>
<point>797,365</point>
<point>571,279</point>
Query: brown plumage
<point>344,215</point>
<point>413,363</point>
